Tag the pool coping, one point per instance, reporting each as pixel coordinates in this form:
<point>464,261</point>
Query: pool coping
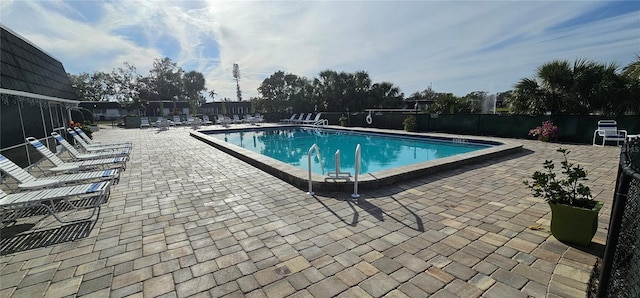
<point>300,178</point>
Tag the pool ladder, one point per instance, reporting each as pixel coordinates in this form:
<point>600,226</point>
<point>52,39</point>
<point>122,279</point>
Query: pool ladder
<point>337,174</point>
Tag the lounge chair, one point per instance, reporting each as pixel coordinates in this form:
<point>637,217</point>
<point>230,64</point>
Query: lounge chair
<point>312,121</point>
<point>177,121</point>
<point>224,120</point>
<point>205,120</point>
<point>28,181</point>
<point>77,155</point>
<point>163,124</point>
<point>91,142</point>
<point>236,119</point>
<point>293,117</point>
<point>96,193</point>
<point>61,166</point>
<point>300,121</point>
<point>297,120</point>
<point>144,122</point>
<point>258,118</point>
<point>96,147</point>
<point>608,131</point>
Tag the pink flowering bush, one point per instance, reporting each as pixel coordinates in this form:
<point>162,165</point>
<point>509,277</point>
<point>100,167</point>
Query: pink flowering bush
<point>546,132</point>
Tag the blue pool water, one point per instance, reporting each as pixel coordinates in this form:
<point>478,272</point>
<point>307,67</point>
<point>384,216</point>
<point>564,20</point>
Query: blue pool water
<point>378,152</point>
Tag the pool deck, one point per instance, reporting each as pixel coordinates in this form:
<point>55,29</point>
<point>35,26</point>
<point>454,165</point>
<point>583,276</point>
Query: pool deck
<point>189,220</point>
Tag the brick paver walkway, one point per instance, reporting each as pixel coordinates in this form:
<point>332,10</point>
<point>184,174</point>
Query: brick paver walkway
<point>188,220</point>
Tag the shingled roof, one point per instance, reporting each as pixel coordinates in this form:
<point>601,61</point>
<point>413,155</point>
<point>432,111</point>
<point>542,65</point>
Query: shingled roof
<point>27,68</point>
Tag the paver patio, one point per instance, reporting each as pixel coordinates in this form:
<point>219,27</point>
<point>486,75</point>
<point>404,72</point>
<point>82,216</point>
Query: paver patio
<point>189,220</point>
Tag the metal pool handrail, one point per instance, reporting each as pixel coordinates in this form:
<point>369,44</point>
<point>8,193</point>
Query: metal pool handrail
<point>355,175</point>
<point>314,146</point>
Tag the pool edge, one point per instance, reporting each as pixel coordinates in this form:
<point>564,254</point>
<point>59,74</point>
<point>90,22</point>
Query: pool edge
<point>299,177</point>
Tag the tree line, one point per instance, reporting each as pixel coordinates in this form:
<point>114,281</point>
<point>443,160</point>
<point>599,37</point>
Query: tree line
<point>165,81</point>
<point>558,87</point>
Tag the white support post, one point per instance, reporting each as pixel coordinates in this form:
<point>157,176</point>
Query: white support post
<point>357,170</point>
<point>314,146</point>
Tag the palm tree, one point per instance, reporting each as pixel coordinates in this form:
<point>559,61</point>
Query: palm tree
<point>561,87</point>
<point>213,94</point>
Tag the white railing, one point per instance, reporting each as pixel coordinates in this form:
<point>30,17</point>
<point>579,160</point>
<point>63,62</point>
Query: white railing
<point>337,174</point>
<point>311,149</point>
<point>355,175</point>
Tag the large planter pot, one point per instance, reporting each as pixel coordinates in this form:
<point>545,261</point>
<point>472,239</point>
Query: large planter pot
<point>574,225</point>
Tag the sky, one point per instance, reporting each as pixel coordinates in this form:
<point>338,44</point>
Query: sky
<point>452,46</point>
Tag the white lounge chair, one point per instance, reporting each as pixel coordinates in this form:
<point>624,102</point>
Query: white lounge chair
<point>96,193</point>
<point>61,166</point>
<point>236,119</point>
<point>92,142</point>
<point>608,131</point>
<point>293,117</point>
<point>77,155</point>
<point>224,120</point>
<point>28,181</point>
<point>177,121</point>
<point>163,124</point>
<point>300,121</point>
<point>297,120</point>
<point>249,119</point>
<point>312,121</point>
<point>96,147</point>
<point>144,122</point>
<point>205,120</point>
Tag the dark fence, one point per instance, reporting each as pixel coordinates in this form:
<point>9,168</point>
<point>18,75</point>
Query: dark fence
<point>620,276</point>
<point>572,128</point>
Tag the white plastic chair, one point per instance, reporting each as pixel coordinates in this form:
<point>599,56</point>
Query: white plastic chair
<point>61,166</point>
<point>608,131</point>
<point>96,193</point>
<point>28,181</point>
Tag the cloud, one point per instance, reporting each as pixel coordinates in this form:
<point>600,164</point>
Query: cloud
<point>458,47</point>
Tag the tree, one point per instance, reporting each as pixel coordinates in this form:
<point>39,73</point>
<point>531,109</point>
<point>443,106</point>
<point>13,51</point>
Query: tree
<point>165,81</point>
<point>236,75</point>
<point>281,92</point>
<point>447,103</point>
<point>125,82</point>
<point>92,87</point>
<point>581,87</point>
<point>213,94</point>
<point>193,84</point>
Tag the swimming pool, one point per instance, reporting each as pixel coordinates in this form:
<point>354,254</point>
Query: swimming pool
<point>375,177</point>
<point>379,152</point>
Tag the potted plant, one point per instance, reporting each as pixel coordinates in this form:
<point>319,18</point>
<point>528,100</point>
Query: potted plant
<point>410,123</point>
<point>574,213</point>
<point>343,120</point>
<point>547,132</point>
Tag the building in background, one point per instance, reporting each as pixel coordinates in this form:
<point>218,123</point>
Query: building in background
<point>36,97</point>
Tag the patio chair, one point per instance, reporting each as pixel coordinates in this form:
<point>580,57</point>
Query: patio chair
<point>236,119</point>
<point>92,142</point>
<point>96,147</point>
<point>224,120</point>
<point>249,119</point>
<point>77,155</point>
<point>28,181</point>
<point>61,166</point>
<point>177,121</point>
<point>293,117</point>
<point>297,120</point>
<point>144,122</point>
<point>312,121</point>
<point>300,121</point>
<point>163,124</point>
<point>94,193</point>
<point>258,118</point>
<point>608,131</point>
<point>205,120</point>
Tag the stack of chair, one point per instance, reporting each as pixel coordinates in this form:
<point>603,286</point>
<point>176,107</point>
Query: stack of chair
<point>68,187</point>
